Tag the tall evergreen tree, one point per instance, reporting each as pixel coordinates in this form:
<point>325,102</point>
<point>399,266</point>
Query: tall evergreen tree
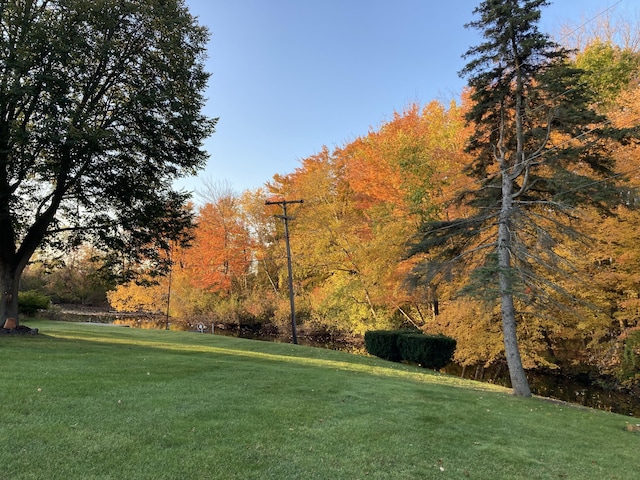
<point>540,149</point>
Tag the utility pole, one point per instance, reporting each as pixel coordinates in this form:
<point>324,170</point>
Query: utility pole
<point>283,204</point>
<point>166,324</point>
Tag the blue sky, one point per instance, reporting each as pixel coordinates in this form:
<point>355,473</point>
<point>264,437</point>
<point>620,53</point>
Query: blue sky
<point>289,76</point>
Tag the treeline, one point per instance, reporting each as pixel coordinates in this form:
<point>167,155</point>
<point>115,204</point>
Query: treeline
<point>364,203</point>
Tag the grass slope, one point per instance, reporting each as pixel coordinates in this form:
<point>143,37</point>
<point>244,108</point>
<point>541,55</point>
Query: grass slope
<point>100,402</point>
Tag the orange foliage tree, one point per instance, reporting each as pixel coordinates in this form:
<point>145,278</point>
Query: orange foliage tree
<point>363,203</point>
<point>221,252</point>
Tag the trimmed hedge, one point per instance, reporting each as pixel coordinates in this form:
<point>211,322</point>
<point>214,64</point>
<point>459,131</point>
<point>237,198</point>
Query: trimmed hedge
<point>384,343</point>
<point>429,351</point>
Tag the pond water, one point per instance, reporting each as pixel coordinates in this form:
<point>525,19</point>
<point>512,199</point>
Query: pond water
<point>580,390</point>
<point>575,391</point>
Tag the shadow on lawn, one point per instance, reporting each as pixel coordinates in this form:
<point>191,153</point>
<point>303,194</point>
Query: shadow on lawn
<point>72,336</point>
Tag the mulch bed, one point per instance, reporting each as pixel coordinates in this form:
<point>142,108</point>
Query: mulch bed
<point>19,330</point>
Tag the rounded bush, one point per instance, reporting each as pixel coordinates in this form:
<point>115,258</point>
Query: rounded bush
<point>31,301</point>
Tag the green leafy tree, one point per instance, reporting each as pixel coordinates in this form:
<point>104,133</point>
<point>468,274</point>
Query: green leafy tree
<point>79,279</point>
<point>539,150</point>
<point>608,69</point>
<point>100,110</point>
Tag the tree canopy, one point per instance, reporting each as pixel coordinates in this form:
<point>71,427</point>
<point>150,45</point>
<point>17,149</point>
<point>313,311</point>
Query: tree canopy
<point>100,110</point>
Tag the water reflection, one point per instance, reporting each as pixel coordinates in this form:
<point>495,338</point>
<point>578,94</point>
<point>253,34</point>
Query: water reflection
<point>578,390</point>
<point>574,391</point>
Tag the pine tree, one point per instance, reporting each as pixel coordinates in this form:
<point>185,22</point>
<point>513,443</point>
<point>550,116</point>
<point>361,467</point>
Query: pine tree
<point>539,150</point>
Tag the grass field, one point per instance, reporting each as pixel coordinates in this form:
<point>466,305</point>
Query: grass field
<point>102,402</point>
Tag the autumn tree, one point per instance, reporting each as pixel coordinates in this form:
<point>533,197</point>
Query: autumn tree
<point>133,297</point>
<point>170,297</point>
<point>213,270</point>
<point>612,263</point>
<point>401,174</point>
<point>100,110</point>
<point>539,150</point>
<point>331,242</point>
<point>318,254</point>
<point>221,253</point>
<point>362,202</point>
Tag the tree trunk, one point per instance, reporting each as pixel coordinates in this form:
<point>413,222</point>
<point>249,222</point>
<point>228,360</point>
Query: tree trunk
<point>512,351</point>
<point>9,282</point>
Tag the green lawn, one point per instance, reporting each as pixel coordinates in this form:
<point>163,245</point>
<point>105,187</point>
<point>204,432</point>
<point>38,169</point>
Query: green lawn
<point>99,402</point>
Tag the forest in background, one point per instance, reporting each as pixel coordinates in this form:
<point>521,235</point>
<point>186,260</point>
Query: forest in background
<point>364,203</point>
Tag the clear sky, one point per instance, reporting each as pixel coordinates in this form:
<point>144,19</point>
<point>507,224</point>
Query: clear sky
<point>289,76</point>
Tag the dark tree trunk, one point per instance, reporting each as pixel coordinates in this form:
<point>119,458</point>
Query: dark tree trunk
<point>9,282</point>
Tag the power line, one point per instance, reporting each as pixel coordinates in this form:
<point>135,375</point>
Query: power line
<point>581,135</point>
<point>590,20</point>
<point>569,90</point>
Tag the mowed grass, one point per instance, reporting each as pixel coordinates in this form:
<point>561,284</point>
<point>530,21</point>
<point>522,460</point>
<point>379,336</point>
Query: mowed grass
<point>102,402</point>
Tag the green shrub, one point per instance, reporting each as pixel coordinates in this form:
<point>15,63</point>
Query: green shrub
<point>384,343</point>
<point>429,351</point>
<point>31,301</point>
<point>630,365</point>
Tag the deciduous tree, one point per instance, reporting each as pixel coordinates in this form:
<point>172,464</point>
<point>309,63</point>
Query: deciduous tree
<point>100,110</point>
<point>363,202</point>
<point>221,253</point>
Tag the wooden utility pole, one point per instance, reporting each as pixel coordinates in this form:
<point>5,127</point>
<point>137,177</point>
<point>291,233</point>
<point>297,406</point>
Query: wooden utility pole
<point>283,204</point>
<point>166,323</point>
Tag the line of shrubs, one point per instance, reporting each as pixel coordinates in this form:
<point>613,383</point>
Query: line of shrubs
<point>428,351</point>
